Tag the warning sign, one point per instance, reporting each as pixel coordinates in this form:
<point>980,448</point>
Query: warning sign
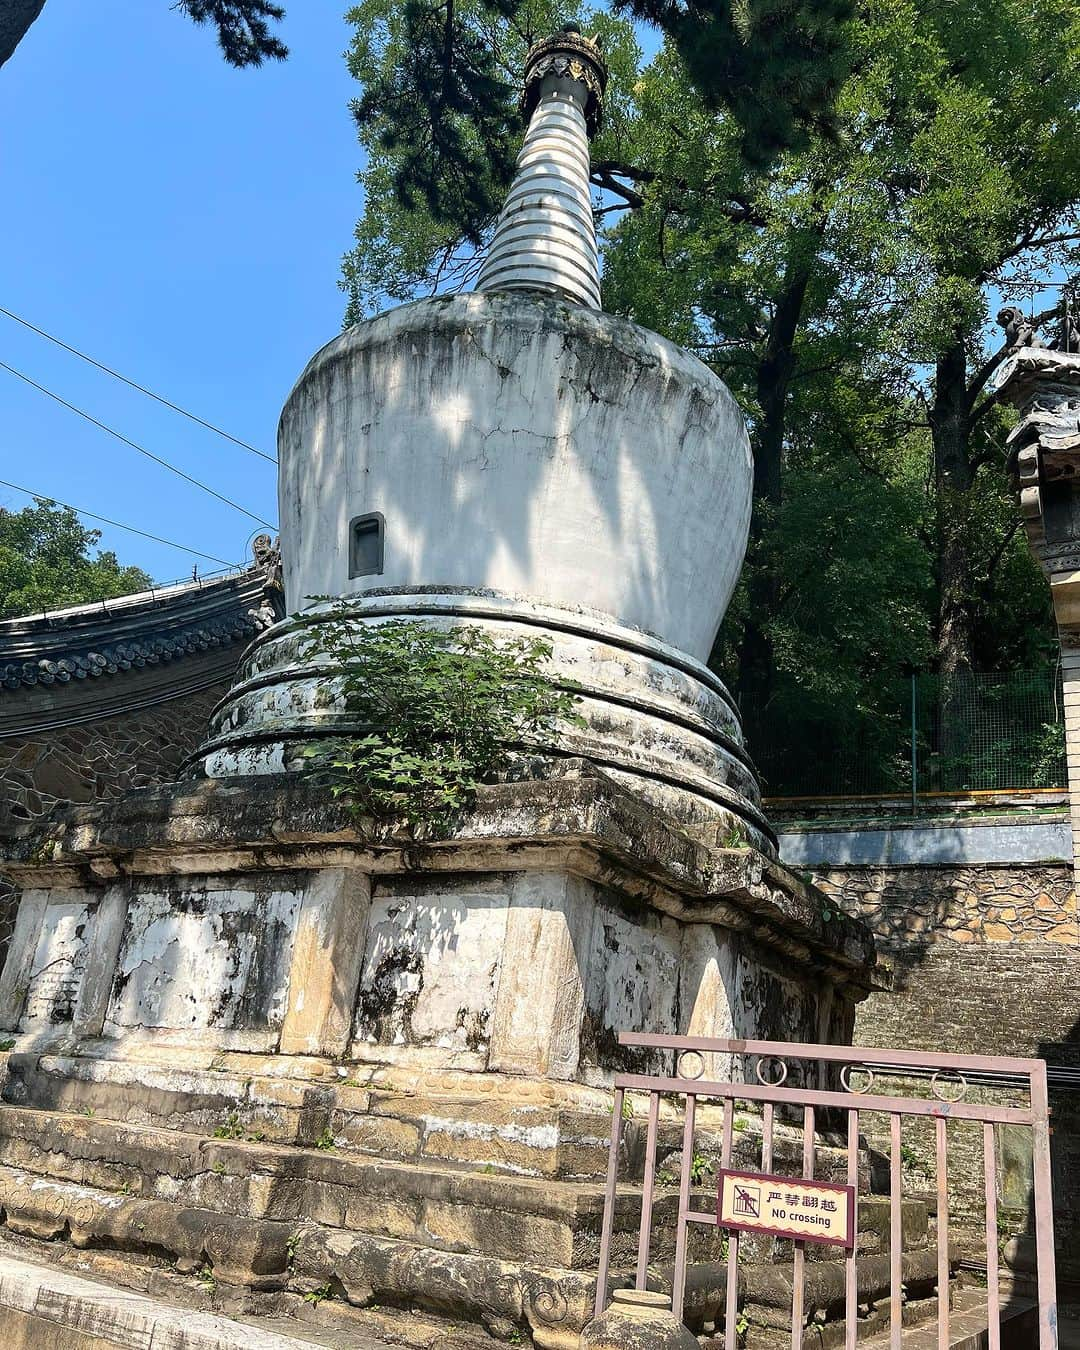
<point>813,1211</point>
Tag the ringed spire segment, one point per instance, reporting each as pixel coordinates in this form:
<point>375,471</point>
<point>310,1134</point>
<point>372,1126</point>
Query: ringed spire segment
<point>545,238</point>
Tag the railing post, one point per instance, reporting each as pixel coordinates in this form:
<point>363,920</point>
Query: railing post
<point>914,751</point>
<point>1043,1207</point>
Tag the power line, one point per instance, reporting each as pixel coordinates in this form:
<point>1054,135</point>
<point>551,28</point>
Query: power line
<point>140,387</point>
<point>135,446</point>
<point>52,501</point>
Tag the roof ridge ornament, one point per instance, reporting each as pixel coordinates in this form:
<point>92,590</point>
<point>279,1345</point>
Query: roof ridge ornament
<point>545,238</point>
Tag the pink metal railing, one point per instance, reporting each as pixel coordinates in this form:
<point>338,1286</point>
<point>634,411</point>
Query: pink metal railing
<point>948,1085</point>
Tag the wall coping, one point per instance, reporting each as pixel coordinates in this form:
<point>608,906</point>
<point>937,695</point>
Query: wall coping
<point>936,843</point>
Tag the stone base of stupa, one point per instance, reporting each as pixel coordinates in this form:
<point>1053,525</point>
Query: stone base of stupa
<point>259,1048</point>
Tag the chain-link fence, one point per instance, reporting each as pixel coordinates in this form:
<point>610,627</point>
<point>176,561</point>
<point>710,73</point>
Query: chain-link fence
<point>996,731</point>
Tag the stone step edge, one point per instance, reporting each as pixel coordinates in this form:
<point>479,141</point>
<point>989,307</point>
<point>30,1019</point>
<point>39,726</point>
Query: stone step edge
<point>252,1091</point>
<point>968,1325</point>
<point>572,1202</point>
<point>271,1255</point>
<point>122,1318</point>
<point>312,1105</point>
<point>527,1141</point>
<point>80,1139</point>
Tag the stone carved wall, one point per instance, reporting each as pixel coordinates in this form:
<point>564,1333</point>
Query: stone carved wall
<point>94,761</point>
<point>95,702</point>
<point>910,908</point>
<point>986,962</point>
<point>101,759</point>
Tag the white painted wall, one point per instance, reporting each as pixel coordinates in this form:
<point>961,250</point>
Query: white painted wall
<point>525,445</point>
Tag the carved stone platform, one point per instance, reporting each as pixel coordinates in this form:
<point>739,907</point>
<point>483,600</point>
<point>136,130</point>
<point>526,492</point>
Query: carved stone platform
<point>252,1038</point>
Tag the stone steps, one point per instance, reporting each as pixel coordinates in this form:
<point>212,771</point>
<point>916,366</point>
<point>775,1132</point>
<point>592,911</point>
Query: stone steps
<point>545,1140</point>
<point>528,1140</point>
<point>481,1210</point>
<point>431,1201</point>
<point>44,1307</point>
<point>969,1325</point>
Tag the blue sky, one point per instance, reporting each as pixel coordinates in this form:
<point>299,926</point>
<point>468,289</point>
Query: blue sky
<point>182,222</point>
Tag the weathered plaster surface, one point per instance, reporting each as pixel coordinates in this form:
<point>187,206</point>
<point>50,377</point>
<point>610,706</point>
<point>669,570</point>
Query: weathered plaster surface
<point>572,817</point>
<point>210,956</point>
<point>633,981</point>
<point>709,975</point>
<point>526,445</point>
<point>541,991</point>
<point>649,712</point>
<point>521,944</point>
<point>331,934</point>
<point>58,963</point>
<point>431,967</point>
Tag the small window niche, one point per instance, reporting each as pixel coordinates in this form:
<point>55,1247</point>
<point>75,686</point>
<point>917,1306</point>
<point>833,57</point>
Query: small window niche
<point>366,545</point>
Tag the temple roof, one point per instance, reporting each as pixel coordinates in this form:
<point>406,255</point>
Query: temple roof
<point>70,655</point>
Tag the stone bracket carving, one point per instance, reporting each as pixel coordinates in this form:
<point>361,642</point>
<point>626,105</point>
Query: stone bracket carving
<point>1044,385</point>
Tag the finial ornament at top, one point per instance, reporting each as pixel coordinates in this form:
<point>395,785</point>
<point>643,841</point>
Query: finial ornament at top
<point>572,55</point>
<point>545,237</point>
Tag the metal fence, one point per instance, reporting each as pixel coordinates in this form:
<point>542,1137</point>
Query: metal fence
<point>705,1071</point>
<point>996,731</point>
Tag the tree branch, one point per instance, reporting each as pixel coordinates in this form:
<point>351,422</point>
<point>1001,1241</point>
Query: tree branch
<point>999,552</point>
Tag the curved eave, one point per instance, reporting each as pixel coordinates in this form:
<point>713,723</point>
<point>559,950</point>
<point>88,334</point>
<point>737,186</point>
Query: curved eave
<point>95,661</point>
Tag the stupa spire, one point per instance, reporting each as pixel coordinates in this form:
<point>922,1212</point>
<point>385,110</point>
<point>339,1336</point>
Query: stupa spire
<point>545,239</point>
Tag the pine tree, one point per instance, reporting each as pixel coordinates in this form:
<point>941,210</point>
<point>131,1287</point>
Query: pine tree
<point>243,27</point>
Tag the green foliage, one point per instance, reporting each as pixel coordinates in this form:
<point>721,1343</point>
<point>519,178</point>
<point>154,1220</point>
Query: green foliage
<point>320,1295</point>
<point>232,1129</point>
<point>700,1168</point>
<point>774,66</point>
<point>627,1108</point>
<point>46,562</point>
<point>842,285</point>
<point>243,28</point>
<point>440,710</point>
<point>326,1141</point>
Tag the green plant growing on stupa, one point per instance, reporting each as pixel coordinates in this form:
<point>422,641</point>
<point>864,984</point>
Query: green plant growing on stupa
<point>438,709</point>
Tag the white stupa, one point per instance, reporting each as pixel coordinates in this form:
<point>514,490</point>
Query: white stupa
<point>517,458</point>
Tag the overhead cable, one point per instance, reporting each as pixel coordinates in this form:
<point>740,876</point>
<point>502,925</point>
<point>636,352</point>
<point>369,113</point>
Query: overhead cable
<point>135,446</point>
<point>52,501</point>
<point>135,385</point>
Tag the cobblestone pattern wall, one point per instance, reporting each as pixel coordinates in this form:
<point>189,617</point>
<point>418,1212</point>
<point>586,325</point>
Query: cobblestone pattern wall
<point>910,908</point>
<point>103,758</point>
<point>93,761</point>
<point>987,962</point>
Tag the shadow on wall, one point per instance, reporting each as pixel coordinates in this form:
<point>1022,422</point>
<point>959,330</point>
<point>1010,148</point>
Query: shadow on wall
<point>1065,1153</point>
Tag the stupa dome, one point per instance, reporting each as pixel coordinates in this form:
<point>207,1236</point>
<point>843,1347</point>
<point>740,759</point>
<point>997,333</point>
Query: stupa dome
<point>517,458</point>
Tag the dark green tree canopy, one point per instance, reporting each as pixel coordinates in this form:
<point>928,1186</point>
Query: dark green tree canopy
<point>243,27</point>
<point>46,562</point>
<point>440,80</point>
<point>841,276</point>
